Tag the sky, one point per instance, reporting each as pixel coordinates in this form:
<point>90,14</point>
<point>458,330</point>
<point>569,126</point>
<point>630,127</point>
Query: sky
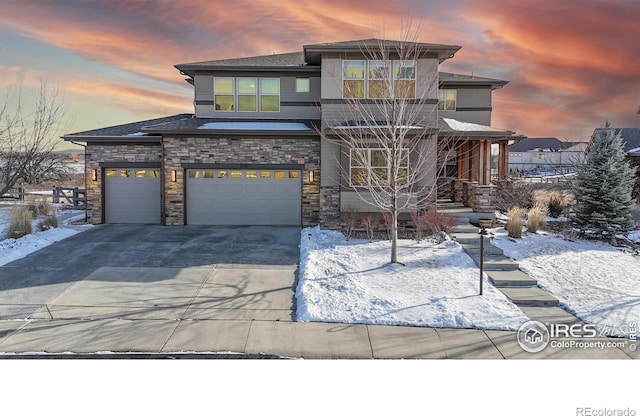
<point>572,64</point>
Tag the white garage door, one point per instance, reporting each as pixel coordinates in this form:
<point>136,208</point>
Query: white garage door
<point>132,195</point>
<point>244,196</point>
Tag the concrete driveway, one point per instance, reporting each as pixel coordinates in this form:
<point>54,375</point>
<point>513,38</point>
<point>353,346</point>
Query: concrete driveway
<point>155,272</point>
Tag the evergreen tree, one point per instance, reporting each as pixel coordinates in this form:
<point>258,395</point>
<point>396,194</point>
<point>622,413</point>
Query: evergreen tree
<point>603,186</point>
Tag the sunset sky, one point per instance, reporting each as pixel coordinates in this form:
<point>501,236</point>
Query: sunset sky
<point>571,64</point>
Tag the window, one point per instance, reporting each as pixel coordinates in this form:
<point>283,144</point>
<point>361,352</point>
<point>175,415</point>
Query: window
<point>207,174</point>
<point>154,173</point>
<point>303,85</point>
<point>141,173</point>
<point>125,173</point>
<point>294,174</point>
<point>404,79</point>
<point>379,79</point>
<point>236,174</point>
<point>279,174</point>
<point>269,94</point>
<point>112,173</point>
<point>447,99</point>
<point>223,90</point>
<point>247,94</point>
<point>372,167</point>
<point>265,174</point>
<point>353,75</point>
<point>252,174</point>
<point>222,174</point>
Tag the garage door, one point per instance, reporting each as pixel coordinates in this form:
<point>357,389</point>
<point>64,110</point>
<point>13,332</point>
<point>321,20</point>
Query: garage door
<point>244,196</point>
<point>132,195</point>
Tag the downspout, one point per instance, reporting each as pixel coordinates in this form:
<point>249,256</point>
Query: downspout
<point>163,218</point>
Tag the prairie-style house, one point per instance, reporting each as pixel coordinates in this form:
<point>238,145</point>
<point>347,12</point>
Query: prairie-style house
<point>252,153</point>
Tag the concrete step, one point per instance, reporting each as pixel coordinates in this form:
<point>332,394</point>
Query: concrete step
<point>511,278</point>
<point>466,238</point>
<point>549,315</point>
<point>489,250</point>
<point>492,263</point>
<point>530,296</point>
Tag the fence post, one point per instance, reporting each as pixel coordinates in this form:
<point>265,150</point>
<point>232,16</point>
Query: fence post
<point>55,197</point>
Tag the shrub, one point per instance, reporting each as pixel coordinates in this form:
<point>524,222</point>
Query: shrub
<point>40,208</point>
<point>349,218</point>
<point>433,222</point>
<point>536,218</point>
<point>514,194</point>
<point>49,222</point>
<point>514,222</point>
<point>20,222</point>
<point>386,220</point>
<point>555,206</point>
<point>438,222</point>
<point>368,222</point>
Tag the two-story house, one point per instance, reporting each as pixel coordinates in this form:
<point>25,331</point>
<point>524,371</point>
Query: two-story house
<point>255,151</point>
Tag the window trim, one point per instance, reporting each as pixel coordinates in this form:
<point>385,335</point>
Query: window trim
<point>254,94</point>
<point>262,94</point>
<point>233,94</point>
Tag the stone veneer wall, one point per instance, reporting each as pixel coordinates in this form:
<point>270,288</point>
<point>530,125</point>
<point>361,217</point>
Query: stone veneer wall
<point>125,153</point>
<point>330,207</point>
<point>252,151</point>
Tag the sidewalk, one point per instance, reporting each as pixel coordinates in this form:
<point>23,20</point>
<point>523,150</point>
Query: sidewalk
<point>278,338</point>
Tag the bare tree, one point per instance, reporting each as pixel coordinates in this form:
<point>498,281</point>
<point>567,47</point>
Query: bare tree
<point>391,137</point>
<point>28,135</point>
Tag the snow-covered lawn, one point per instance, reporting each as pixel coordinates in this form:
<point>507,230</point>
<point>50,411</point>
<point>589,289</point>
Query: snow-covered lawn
<point>353,282</point>
<point>13,249</point>
<point>597,282</point>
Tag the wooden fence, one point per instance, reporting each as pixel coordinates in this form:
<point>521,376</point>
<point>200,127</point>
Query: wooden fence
<point>15,193</point>
<point>75,196</point>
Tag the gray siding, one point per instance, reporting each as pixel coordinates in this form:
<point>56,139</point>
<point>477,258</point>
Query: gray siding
<point>308,108</point>
<point>473,105</point>
<point>478,117</point>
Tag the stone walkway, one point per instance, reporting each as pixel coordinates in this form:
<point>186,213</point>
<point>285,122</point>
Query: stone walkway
<point>504,273</point>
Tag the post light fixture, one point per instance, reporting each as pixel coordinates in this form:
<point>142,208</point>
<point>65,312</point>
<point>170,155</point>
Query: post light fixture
<point>483,232</point>
<point>94,174</point>
<point>174,176</point>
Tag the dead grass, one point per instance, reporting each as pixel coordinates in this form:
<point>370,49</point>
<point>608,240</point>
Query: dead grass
<point>514,222</point>
<point>536,217</point>
<point>20,222</point>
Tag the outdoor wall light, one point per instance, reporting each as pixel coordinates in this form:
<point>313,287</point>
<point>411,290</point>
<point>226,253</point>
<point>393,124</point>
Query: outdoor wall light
<point>94,174</point>
<point>311,176</point>
<point>174,176</point>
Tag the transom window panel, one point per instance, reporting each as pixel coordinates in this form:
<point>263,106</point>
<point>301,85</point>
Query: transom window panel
<point>247,94</point>
<point>447,99</point>
<point>378,79</point>
<point>224,93</point>
<point>270,94</point>
<point>373,167</point>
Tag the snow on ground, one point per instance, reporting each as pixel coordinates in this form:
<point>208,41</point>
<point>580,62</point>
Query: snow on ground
<point>634,236</point>
<point>597,282</point>
<point>353,282</point>
<point>13,249</point>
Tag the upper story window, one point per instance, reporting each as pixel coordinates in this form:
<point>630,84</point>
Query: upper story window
<point>447,99</point>
<point>378,79</point>
<point>224,92</point>
<point>246,94</point>
<point>269,94</point>
<point>303,85</point>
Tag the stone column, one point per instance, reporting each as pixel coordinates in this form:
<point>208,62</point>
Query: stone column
<point>330,207</point>
<point>484,198</point>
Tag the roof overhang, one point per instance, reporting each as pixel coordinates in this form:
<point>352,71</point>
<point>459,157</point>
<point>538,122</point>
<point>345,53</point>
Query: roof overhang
<point>127,139</point>
<point>313,53</point>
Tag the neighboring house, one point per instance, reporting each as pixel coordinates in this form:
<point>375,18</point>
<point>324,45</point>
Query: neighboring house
<point>251,152</point>
<point>544,156</point>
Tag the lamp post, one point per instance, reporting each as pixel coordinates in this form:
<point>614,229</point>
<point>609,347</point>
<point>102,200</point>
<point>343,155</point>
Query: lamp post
<point>482,233</point>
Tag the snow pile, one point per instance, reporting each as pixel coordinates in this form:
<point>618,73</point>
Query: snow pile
<point>353,282</point>
<point>597,282</point>
<point>458,125</point>
<point>13,249</point>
